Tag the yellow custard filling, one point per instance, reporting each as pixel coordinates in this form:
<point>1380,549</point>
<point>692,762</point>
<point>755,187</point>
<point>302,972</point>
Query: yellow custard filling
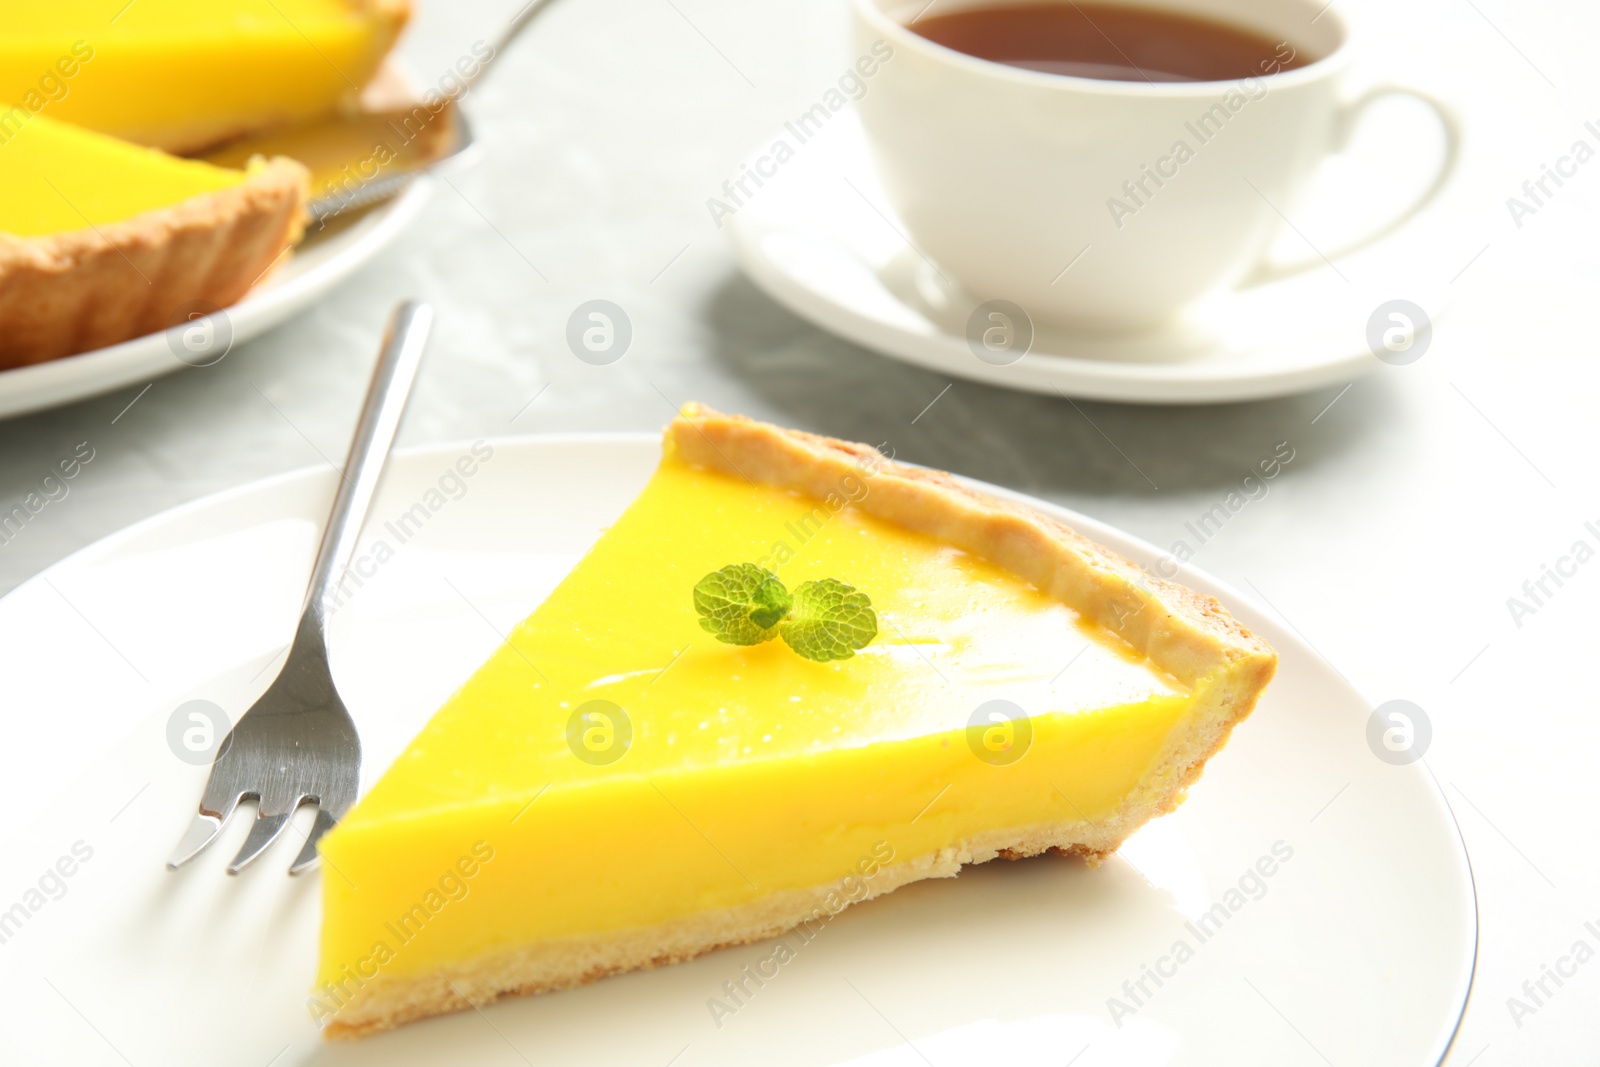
<point>746,770</point>
<point>55,177</point>
<point>182,74</point>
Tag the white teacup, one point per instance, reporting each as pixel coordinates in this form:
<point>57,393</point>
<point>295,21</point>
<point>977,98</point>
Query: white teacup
<point>1108,205</point>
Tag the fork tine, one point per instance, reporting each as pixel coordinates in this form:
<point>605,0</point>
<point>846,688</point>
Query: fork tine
<point>308,854</point>
<point>195,839</point>
<point>263,832</point>
<point>216,806</point>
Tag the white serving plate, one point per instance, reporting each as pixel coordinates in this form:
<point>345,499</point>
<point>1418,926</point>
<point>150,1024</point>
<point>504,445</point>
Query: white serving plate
<point>1357,949</point>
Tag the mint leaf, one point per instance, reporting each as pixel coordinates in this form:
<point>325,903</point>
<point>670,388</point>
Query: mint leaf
<point>830,620</point>
<point>772,602</point>
<point>741,604</point>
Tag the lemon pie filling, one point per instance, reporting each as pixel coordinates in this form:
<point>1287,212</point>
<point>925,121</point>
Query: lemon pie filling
<point>55,178</point>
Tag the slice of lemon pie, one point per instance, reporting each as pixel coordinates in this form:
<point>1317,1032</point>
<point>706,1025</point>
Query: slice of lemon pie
<point>185,74</point>
<point>792,676</point>
<point>101,240</point>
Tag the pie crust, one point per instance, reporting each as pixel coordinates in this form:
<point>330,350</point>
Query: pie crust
<point>1186,634</point>
<point>70,292</point>
<point>1189,635</point>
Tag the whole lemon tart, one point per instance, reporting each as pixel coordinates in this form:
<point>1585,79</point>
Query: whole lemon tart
<point>101,240</point>
<point>186,74</point>
<point>794,675</point>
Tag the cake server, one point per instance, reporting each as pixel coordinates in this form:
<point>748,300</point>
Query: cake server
<point>414,139</point>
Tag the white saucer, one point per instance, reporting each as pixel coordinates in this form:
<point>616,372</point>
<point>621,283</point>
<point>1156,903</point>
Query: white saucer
<point>316,267</point>
<point>1356,946</point>
<point>821,239</point>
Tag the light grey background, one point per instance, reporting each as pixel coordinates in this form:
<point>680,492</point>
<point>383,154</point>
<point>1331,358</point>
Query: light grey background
<point>1417,501</point>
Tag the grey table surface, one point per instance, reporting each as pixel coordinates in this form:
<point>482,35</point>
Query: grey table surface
<point>1419,500</point>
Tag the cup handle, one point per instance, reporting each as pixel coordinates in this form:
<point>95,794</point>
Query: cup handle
<point>1350,115</point>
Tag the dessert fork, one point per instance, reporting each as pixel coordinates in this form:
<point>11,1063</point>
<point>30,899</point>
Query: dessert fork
<point>297,744</point>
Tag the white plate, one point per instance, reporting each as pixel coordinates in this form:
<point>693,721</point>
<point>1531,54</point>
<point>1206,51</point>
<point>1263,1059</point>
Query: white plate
<point>821,239</point>
<point>314,269</point>
<point>1358,948</point>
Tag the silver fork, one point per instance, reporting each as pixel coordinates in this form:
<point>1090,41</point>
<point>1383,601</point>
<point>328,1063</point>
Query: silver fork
<point>297,744</point>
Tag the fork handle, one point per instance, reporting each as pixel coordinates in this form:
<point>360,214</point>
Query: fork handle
<point>369,450</point>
